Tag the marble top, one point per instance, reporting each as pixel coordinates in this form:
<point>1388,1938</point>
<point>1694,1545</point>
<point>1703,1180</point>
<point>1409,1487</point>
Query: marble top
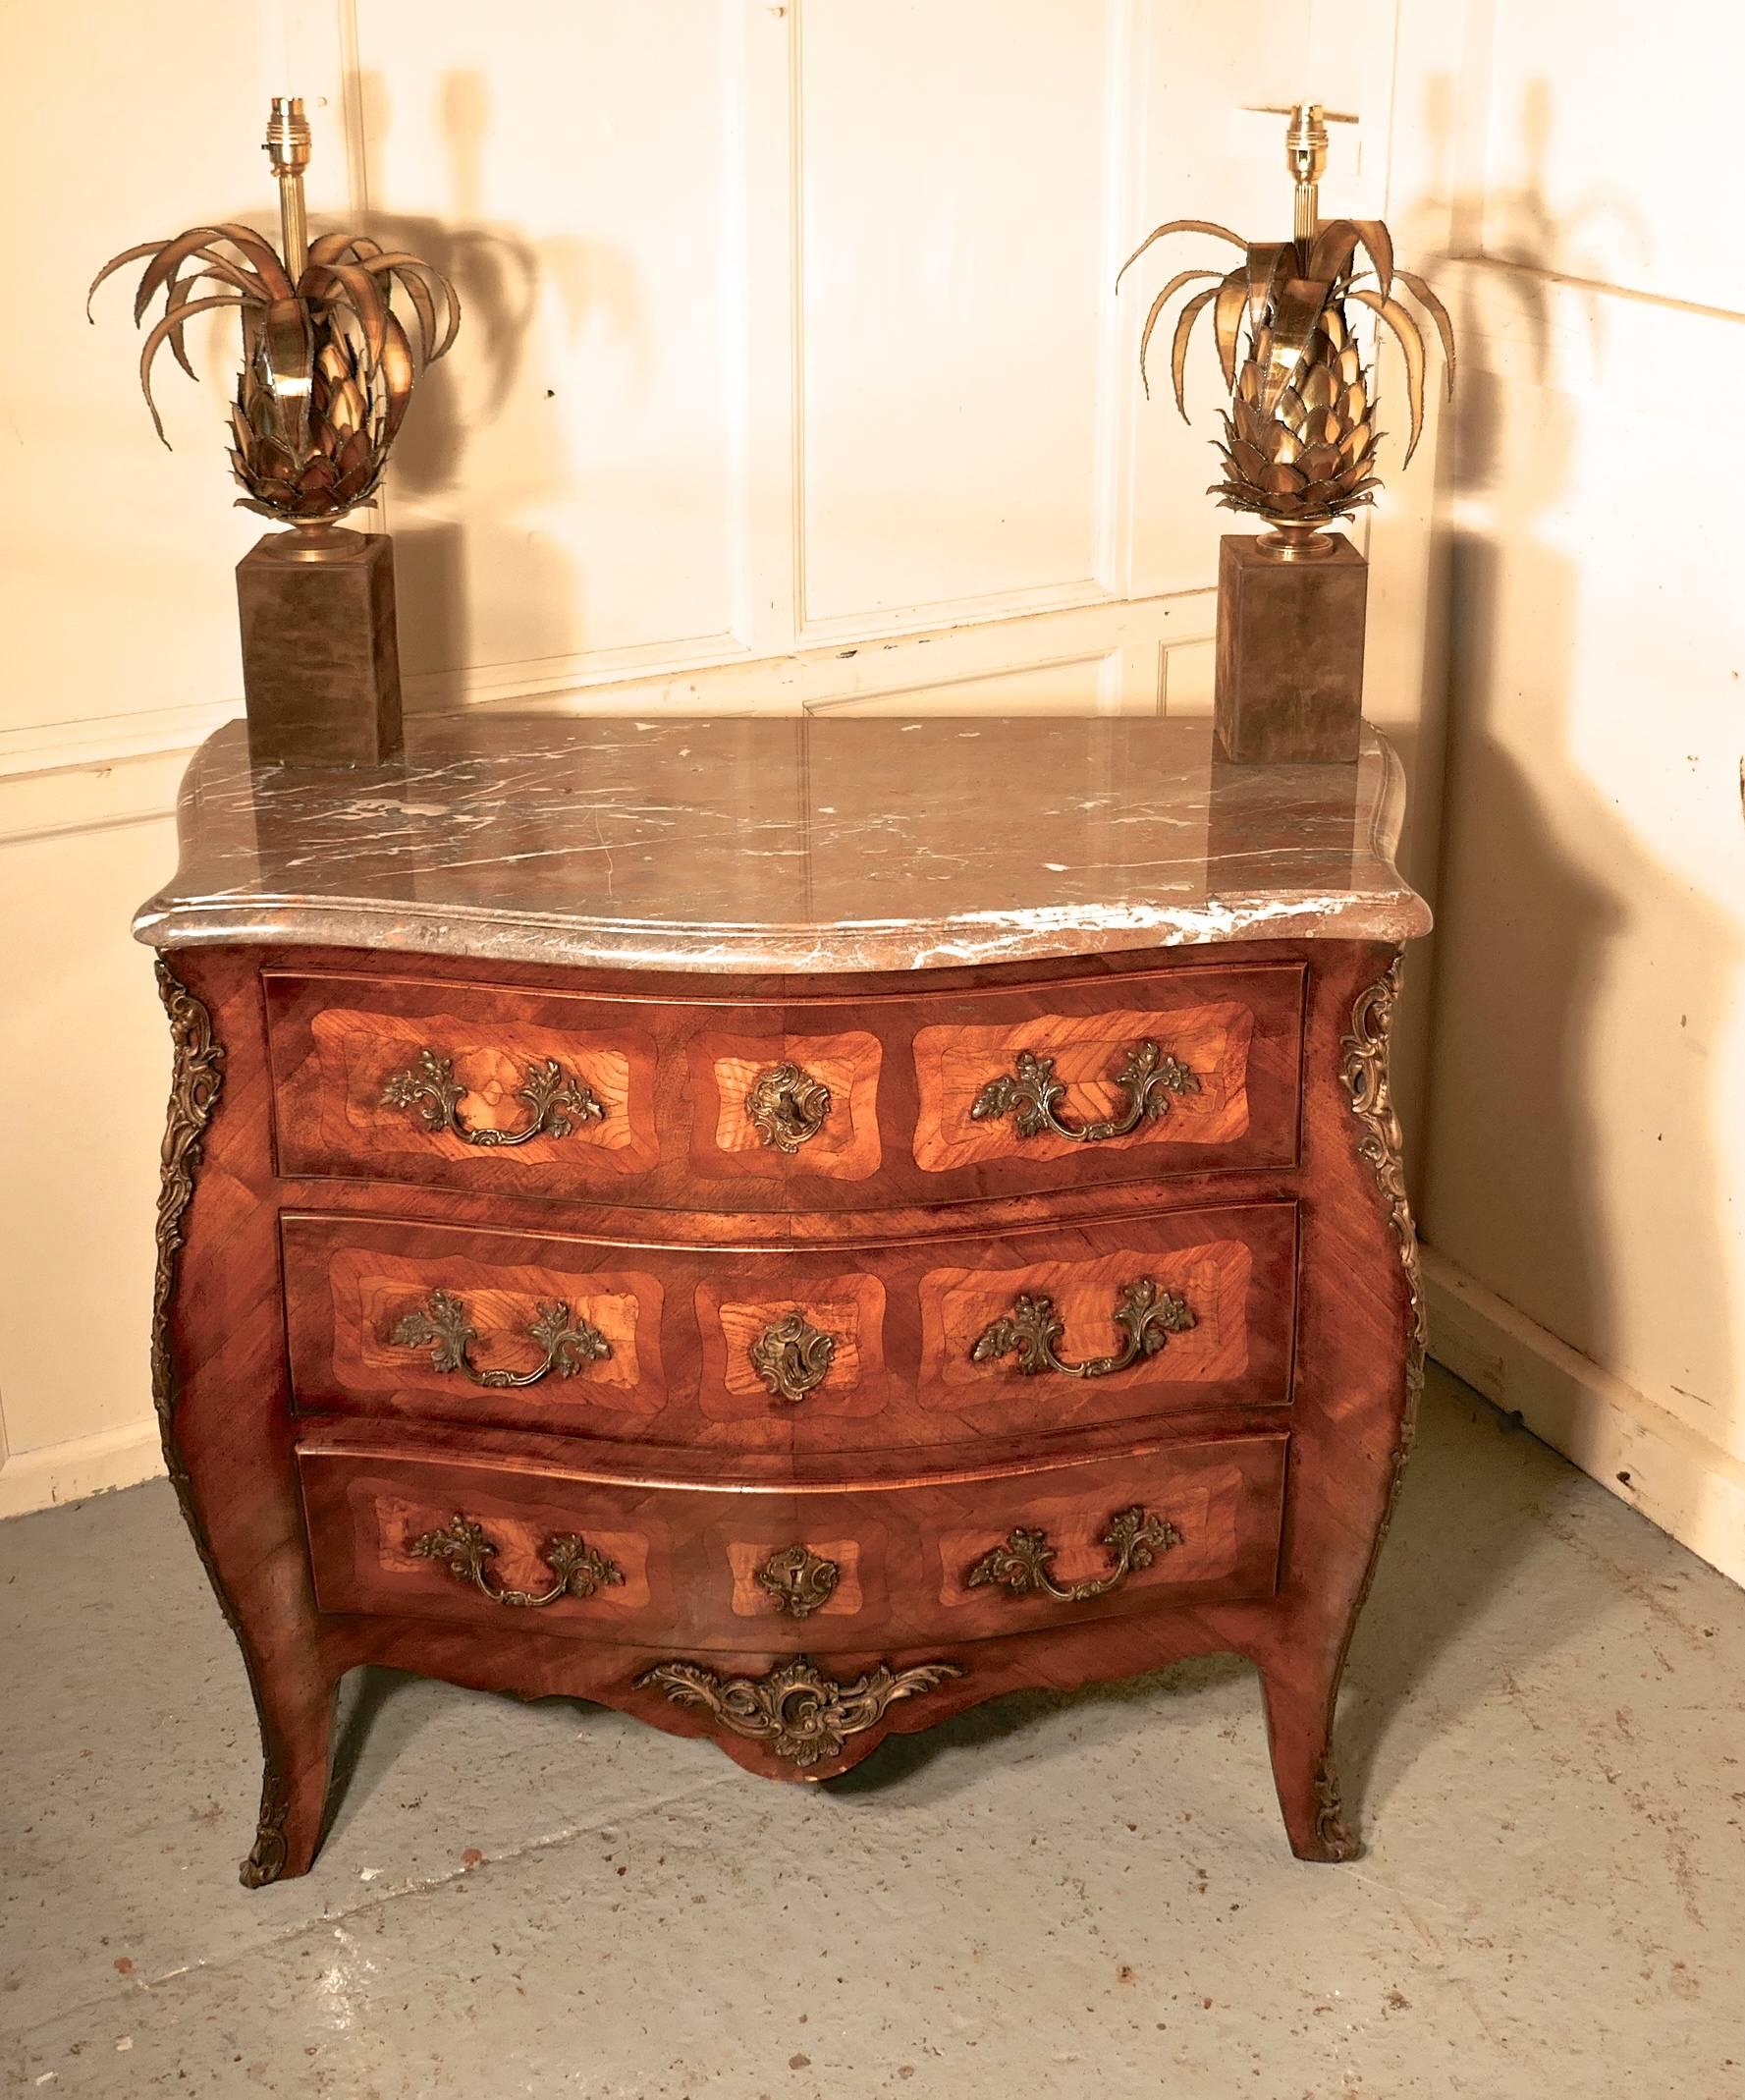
<point>785,844</point>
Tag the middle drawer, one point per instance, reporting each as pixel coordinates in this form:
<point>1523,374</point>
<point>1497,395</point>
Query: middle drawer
<point>817,1349</point>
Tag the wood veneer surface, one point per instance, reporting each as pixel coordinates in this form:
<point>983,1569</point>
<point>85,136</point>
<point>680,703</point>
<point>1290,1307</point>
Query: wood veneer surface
<point>672,1078</point>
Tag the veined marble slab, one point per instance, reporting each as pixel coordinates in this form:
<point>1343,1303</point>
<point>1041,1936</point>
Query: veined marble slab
<point>765,844</point>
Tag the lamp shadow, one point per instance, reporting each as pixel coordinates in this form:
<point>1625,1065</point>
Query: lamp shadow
<point>1540,880</point>
<point>484,446</point>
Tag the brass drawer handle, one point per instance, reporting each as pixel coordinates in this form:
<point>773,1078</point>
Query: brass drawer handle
<point>558,1101</point>
<point>1030,1094</point>
<point>1145,1315</point>
<point>441,1325</point>
<point>793,1357</point>
<point>465,1549</point>
<point>787,1106</point>
<point>802,1715</point>
<point>1135,1539</point>
<point>799,1580</point>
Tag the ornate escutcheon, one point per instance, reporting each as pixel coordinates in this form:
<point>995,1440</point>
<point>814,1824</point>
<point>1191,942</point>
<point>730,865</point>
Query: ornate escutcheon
<point>463,1547</point>
<point>430,1088</point>
<point>1030,1093</point>
<point>787,1106</point>
<point>804,1716</point>
<point>1135,1539</point>
<point>441,1325</point>
<point>1145,1315</point>
<point>799,1580</point>
<point>793,1357</point>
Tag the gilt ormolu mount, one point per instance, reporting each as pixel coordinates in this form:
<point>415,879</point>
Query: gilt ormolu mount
<point>327,374</point>
<point>1299,451</point>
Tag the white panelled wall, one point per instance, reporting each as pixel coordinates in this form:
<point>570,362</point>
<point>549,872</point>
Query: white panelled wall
<point>1584,1156</point>
<point>792,377</point>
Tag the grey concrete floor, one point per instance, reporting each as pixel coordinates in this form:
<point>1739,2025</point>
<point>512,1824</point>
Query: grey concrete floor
<point>1081,1896</point>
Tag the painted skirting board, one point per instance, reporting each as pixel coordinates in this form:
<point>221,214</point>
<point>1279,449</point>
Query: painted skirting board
<point>1628,1440</point>
<point>85,1466</point>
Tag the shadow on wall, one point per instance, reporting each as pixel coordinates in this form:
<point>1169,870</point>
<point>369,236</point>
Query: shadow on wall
<point>1533,930</point>
<point>483,421</point>
<point>1517,229</point>
<point>1541,878</point>
<point>1533,925</point>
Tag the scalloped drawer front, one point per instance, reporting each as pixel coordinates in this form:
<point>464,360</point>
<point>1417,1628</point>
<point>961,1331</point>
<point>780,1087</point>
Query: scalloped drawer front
<point>878,1102</point>
<point>818,1350</point>
<point>1191,1074</point>
<point>480,1088</point>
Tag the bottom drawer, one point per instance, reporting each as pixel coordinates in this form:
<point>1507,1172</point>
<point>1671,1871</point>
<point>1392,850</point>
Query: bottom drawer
<point>506,1542</point>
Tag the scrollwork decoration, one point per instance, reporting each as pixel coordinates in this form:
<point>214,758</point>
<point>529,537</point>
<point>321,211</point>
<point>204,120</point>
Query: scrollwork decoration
<point>787,1106</point>
<point>802,1715</point>
<point>195,1081</point>
<point>1145,1315</point>
<point>441,1325</point>
<point>793,1357</point>
<point>195,1084</point>
<point>1333,1838</point>
<point>267,1854</point>
<point>1030,1094</point>
<point>463,1547</point>
<point>1021,1563</point>
<point>430,1088</point>
<point>1363,1070</point>
<point>1381,1146</point>
<point>798,1581</point>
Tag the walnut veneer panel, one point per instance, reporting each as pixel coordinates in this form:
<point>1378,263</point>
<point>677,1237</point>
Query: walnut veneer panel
<point>956,1062</point>
<point>338,1042</point>
<point>687,1557</point>
<point>904,1317</point>
<point>1220,1116</point>
<point>726,1070</point>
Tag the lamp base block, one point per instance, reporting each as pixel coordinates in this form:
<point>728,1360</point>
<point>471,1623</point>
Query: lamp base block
<point>1289,678</point>
<point>320,656</point>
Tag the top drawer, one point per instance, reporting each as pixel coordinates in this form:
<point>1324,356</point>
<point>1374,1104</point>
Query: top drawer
<point>835,1102</point>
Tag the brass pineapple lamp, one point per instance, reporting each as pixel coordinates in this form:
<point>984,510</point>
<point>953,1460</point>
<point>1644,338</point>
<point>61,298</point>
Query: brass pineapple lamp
<point>1299,450</point>
<point>327,371</point>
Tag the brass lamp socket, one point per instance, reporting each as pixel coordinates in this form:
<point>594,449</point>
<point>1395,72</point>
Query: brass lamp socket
<point>287,142</point>
<point>287,146</point>
<point>1305,155</point>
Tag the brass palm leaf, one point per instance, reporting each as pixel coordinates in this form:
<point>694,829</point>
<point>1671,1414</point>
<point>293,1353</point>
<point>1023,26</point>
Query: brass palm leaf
<point>327,366</point>
<point>1300,435</point>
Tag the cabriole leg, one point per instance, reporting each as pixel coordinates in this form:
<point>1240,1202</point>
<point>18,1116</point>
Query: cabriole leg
<point>1299,1734</point>
<point>295,1733</point>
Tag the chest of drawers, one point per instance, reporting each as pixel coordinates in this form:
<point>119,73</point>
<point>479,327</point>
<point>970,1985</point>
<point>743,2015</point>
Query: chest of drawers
<point>743,1223</point>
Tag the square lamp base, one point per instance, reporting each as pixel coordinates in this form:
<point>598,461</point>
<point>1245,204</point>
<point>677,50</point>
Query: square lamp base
<point>1289,678</point>
<point>321,659</point>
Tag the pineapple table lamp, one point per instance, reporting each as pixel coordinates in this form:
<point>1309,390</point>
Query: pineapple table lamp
<point>1299,451</point>
<point>327,374</point>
